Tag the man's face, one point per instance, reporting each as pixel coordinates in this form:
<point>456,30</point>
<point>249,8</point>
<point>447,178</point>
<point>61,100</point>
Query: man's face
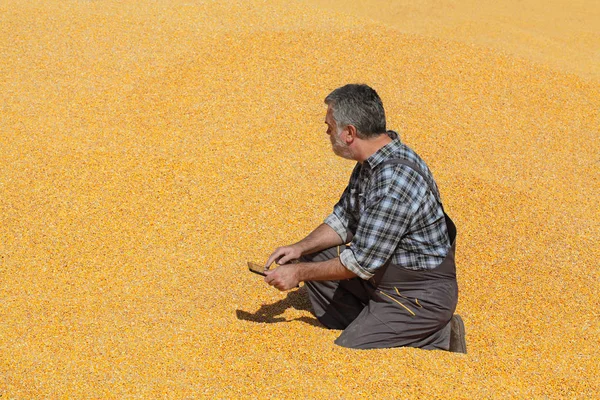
<point>337,144</point>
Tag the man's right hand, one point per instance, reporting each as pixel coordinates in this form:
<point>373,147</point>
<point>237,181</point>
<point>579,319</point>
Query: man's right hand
<point>283,255</point>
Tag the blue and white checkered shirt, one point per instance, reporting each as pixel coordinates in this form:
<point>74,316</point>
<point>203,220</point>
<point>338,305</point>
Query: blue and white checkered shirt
<point>390,214</point>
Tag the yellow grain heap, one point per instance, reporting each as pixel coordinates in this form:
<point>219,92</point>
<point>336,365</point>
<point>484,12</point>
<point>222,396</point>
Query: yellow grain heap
<point>149,149</point>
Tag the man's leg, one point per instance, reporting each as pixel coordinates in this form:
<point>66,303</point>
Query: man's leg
<point>404,311</point>
<point>372,319</point>
<point>335,303</point>
<point>385,324</point>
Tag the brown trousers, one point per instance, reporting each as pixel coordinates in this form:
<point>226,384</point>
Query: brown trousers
<point>396,307</point>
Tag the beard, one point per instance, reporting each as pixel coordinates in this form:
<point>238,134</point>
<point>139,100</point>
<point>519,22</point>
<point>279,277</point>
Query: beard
<point>339,147</point>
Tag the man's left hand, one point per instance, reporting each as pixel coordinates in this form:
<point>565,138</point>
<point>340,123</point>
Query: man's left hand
<point>284,277</point>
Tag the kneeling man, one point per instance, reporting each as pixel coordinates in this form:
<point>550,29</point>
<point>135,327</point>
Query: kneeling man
<point>381,266</point>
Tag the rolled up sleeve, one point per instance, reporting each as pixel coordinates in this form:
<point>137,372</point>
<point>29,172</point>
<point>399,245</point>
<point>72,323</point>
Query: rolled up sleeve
<point>342,220</point>
<point>337,225</point>
<point>349,261</point>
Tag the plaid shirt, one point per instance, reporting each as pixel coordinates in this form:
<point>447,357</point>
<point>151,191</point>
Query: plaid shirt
<point>390,214</point>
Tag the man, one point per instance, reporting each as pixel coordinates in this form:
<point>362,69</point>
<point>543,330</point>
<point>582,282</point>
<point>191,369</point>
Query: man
<point>381,266</point>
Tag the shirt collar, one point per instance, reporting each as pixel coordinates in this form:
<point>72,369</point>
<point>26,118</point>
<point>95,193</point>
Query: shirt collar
<point>386,151</point>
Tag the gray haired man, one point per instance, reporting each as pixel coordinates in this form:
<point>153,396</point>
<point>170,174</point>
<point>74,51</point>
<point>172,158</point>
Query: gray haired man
<point>381,266</point>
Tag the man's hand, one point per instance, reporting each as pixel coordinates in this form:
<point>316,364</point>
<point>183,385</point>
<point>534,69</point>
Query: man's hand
<point>283,255</point>
<point>284,277</point>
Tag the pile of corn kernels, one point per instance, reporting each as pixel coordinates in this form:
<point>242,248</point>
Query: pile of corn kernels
<point>149,149</point>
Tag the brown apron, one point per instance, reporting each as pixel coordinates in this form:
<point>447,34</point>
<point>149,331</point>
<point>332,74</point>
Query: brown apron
<point>396,307</point>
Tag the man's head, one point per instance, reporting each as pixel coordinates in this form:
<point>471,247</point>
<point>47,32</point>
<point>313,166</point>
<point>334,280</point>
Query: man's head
<point>359,106</point>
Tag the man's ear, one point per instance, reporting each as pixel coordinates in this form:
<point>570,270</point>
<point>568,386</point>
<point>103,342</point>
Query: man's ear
<point>351,134</point>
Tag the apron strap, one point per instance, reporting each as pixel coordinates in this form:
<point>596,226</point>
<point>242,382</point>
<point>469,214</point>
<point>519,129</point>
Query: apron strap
<point>416,168</point>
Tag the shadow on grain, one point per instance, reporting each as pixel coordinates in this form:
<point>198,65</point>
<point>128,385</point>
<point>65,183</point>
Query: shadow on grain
<point>270,313</point>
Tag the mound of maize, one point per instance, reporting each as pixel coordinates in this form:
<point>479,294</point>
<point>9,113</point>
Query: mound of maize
<point>149,149</point>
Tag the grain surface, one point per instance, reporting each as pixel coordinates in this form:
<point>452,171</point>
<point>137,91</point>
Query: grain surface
<point>149,149</point>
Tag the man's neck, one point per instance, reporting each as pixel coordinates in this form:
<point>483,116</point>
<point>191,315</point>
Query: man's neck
<point>367,147</point>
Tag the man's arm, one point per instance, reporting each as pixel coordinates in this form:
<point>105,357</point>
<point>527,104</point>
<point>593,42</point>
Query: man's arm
<point>323,237</point>
<point>287,276</point>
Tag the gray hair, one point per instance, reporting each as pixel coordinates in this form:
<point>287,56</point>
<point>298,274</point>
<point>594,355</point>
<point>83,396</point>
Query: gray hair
<point>360,106</point>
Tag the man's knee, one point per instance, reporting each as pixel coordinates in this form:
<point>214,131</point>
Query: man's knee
<point>333,305</point>
<point>377,327</point>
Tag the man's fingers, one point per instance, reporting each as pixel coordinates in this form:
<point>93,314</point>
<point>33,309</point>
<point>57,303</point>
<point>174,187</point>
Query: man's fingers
<point>272,259</point>
<point>269,262</point>
<point>284,259</point>
<point>269,279</point>
<point>276,257</point>
<point>274,280</point>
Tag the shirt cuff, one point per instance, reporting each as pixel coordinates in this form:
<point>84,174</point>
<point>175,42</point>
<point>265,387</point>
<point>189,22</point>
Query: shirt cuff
<point>349,261</point>
<point>336,224</point>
